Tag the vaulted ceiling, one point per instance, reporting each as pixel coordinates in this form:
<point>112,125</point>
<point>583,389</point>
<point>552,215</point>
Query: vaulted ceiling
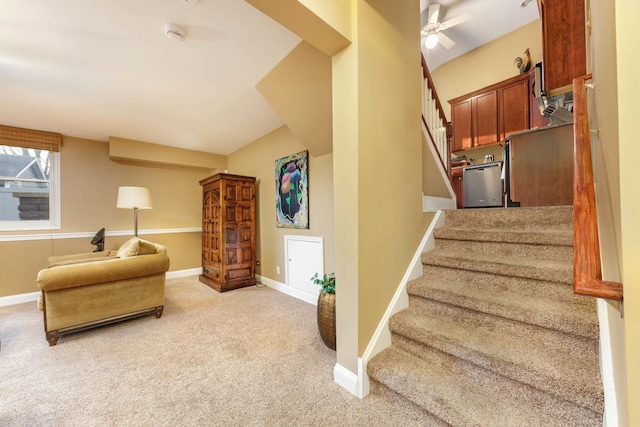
<point>94,69</point>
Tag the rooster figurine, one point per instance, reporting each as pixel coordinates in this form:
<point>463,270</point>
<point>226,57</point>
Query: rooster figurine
<point>523,64</point>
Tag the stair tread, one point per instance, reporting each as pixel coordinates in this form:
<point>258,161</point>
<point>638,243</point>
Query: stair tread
<point>533,237</point>
<point>545,359</point>
<point>521,267</point>
<point>526,218</point>
<point>571,316</point>
<point>463,394</point>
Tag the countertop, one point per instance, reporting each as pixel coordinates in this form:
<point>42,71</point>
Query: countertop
<point>530,131</point>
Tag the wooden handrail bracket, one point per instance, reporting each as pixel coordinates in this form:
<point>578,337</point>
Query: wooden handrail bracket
<point>587,272</point>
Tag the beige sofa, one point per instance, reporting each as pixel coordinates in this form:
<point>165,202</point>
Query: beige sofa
<point>87,290</point>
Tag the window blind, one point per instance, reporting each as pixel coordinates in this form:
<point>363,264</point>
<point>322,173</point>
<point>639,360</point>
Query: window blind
<point>28,138</point>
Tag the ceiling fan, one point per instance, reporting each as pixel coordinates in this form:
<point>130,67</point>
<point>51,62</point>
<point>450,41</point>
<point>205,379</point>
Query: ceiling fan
<point>432,31</point>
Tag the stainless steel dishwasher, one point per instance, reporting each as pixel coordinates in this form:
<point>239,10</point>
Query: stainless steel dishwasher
<point>482,186</point>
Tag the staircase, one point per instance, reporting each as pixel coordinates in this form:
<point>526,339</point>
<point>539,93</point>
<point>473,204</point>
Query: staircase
<point>493,335</point>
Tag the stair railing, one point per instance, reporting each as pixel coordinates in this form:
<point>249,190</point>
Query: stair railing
<point>438,128</point>
<point>587,270</point>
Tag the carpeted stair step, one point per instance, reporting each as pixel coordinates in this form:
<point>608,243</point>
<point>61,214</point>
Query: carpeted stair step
<point>531,237</point>
<point>499,283</point>
<point>463,394</point>
<point>560,364</point>
<point>547,270</point>
<point>546,218</point>
<point>501,249</point>
<point>576,316</point>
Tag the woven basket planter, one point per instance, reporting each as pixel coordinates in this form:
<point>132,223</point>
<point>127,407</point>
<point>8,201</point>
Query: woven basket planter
<point>327,319</point>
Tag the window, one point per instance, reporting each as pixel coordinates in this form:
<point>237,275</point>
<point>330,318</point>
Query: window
<point>29,179</point>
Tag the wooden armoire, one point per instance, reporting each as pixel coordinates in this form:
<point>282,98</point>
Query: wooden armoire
<point>228,231</point>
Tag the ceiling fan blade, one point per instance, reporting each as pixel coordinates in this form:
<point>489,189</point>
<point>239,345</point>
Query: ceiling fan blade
<point>434,13</point>
<point>445,41</point>
<point>455,21</point>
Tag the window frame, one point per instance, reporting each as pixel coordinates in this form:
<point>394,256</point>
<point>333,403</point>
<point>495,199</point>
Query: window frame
<point>53,223</point>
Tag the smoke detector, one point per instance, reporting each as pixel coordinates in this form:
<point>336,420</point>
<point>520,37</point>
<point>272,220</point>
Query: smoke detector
<point>174,32</point>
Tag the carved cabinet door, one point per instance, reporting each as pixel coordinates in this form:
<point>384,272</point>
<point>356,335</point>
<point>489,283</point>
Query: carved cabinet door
<point>238,231</point>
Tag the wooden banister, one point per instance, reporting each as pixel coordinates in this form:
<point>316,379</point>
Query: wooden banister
<point>587,272</point>
<point>445,167</point>
<point>445,158</point>
<point>427,75</point>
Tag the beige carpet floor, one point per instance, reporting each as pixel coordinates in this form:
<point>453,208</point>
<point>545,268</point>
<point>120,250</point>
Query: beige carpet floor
<point>249,357</point>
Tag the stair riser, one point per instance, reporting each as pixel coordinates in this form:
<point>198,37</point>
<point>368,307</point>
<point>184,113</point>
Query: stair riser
<point>422,416</point>
<point>535,376</point>
<point>566,325</point>
<point>444,386</point>
<point>562,274</point>
<point>533,237</point>
<point>548,218</point>
<point>500,283</point>
<point>511,250</point>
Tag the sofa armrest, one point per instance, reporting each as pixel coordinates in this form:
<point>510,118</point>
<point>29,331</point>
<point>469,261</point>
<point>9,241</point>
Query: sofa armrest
<point>101,271</point>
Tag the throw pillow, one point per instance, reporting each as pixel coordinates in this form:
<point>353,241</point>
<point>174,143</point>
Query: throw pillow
<point>146,247</point>
<point>129,248</point>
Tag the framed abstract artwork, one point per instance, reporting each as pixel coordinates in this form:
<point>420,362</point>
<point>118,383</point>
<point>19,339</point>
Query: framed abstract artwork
<point>292,194</point>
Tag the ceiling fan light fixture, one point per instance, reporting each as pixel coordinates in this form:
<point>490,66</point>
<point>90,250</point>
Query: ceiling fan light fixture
<point>431,41</point>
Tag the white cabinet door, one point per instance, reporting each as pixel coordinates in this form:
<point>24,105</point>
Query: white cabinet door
<point>303,258</point>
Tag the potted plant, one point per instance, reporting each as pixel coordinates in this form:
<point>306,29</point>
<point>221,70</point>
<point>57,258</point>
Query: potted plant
<point>327,308</point>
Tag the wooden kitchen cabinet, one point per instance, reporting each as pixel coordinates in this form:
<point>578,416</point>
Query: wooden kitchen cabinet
<point>228,231</point>
<point>564,51</point>
<point>456,183</point>
<point>513,115</point>
<point>484,109</point>
<point>461,122</point>
<point>487,116</point>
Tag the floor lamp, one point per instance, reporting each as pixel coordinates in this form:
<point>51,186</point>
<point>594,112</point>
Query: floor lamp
<point>134,198</point>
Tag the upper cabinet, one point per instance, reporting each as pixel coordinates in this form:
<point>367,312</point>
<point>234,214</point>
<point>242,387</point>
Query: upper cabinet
<point>489,115</point>
<point>564,51</point>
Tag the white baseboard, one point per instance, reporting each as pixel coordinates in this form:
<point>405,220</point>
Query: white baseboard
<point>33,296</point>
<point>346,379</point>
<point>184,273</point>
<point>19,298</point>
<point>381,338</point>
<point>281,287</point>
<point>435,204</point>
<point>606,367</point>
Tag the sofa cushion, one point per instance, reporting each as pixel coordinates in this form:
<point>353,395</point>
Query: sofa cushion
<point>129,248</point>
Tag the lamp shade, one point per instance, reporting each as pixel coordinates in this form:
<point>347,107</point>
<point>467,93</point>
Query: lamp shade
<point>134,197</point>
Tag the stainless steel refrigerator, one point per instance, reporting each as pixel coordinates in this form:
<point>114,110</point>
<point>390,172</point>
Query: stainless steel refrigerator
<point>482,186</point>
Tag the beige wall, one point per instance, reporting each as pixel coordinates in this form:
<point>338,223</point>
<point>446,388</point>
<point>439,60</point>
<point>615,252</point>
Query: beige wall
<point>627,13</point>
<point>390,220</point>
<point>299,89</point>
<point>89,184</point>
<point>258,159</point>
